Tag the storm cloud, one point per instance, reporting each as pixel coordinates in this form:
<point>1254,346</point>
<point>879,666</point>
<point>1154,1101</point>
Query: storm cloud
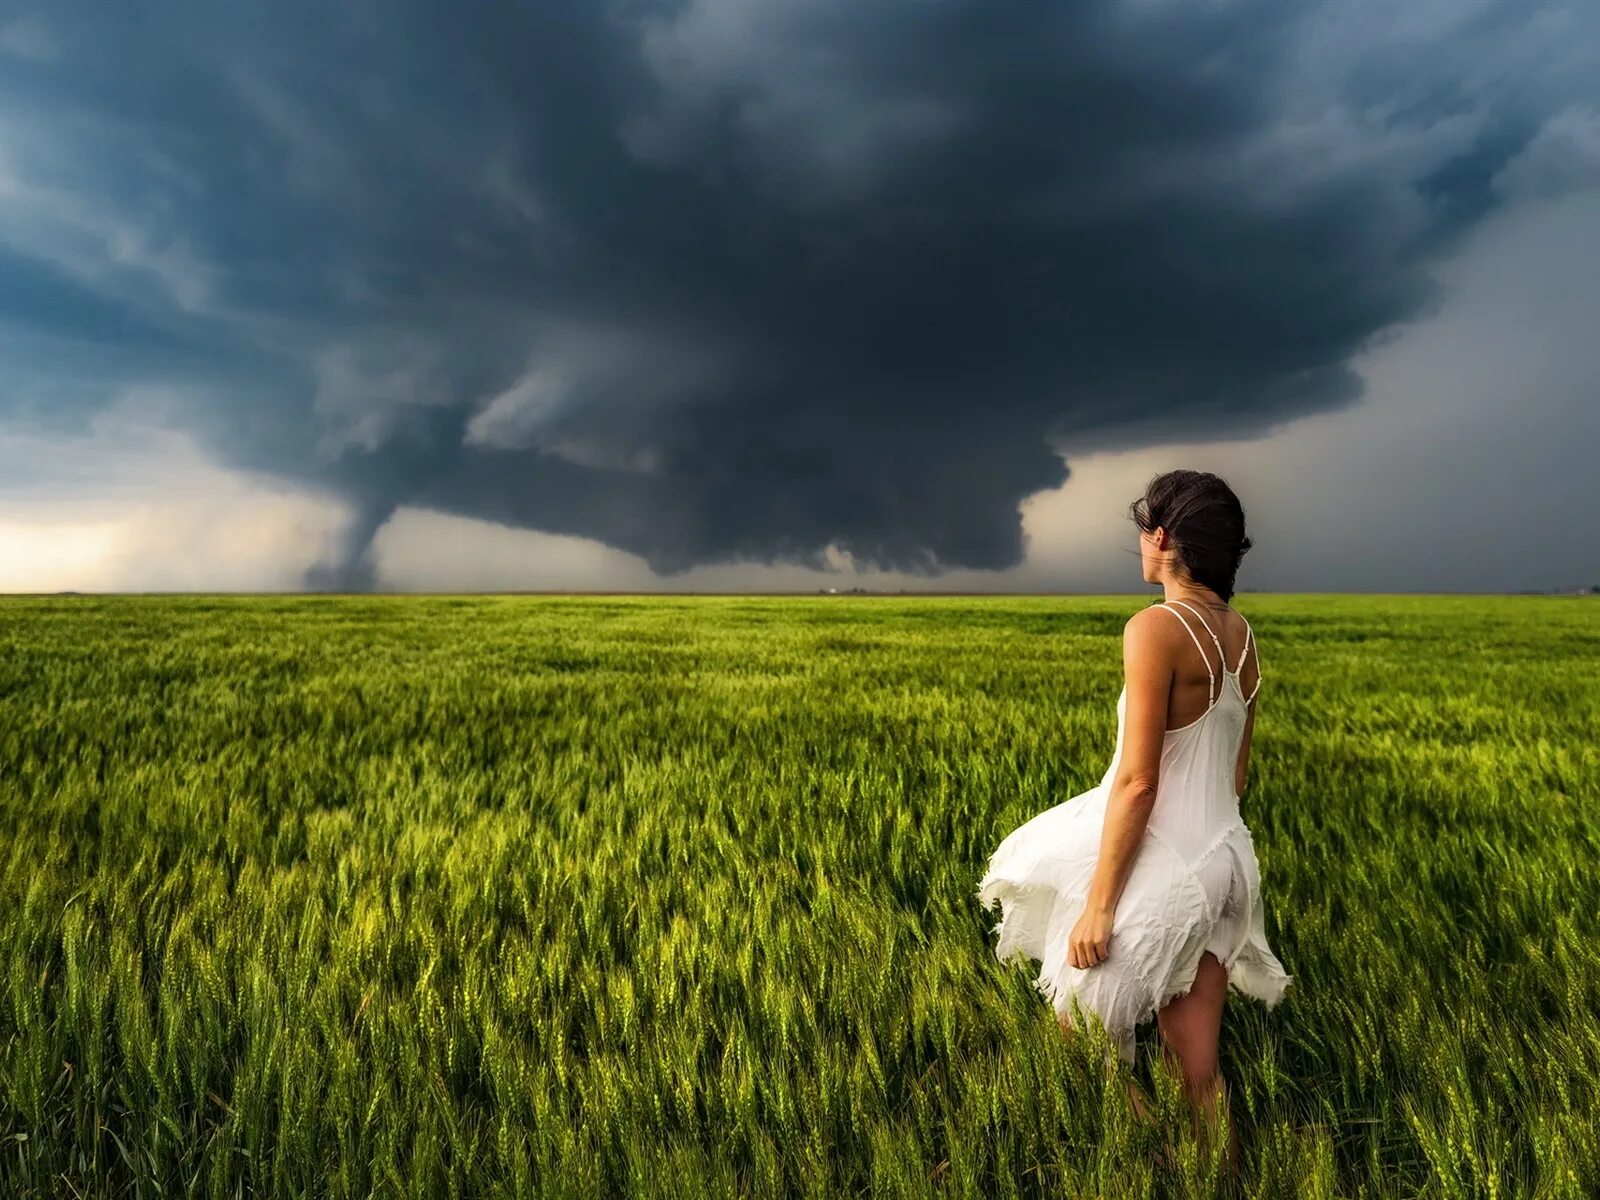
<point>738,280</point>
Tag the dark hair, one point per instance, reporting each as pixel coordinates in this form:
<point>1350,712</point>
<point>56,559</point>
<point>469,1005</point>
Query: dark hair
<point>1206,519</point>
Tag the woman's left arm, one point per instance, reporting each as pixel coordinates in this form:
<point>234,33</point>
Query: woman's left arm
<point>1147,664</point>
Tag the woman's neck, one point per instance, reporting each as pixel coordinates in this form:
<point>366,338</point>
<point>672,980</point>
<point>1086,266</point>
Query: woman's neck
<point>1193,594</point>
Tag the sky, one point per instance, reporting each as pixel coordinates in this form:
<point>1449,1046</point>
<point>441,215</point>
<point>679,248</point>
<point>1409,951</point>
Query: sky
<point>721,295</point>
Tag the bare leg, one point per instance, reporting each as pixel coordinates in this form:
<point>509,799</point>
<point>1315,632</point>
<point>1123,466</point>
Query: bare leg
<point>1190,1027</point>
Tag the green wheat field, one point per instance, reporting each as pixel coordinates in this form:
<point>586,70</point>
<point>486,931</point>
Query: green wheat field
<point>674,897</point>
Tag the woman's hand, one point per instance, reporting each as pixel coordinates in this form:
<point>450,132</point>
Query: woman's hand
<point>1089,943</point>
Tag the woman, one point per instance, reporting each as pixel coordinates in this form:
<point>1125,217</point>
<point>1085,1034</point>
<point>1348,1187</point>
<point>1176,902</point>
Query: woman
<point>1142,896</point>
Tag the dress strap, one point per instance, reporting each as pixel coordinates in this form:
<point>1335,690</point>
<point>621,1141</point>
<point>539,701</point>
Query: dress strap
<point>1239,666</point>
<point>1222,655</point>
<point>1211,677</point>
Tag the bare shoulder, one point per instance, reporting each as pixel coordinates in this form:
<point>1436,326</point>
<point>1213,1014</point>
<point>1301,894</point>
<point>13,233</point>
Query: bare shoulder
<point>1147,618</point>
<point>1147,629</point>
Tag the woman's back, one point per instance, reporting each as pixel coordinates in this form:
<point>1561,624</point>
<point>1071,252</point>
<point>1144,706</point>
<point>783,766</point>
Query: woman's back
<point>1196,801</point>
<point>1223,645</point>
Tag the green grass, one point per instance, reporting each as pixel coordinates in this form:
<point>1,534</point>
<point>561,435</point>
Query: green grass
<point>594,896</point>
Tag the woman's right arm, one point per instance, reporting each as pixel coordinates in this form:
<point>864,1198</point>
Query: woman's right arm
<point>1241,769</point>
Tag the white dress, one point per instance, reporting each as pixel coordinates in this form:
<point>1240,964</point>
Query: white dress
<point>1195,884</point>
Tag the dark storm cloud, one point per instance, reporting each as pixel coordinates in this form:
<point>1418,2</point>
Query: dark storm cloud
<point>739,279</point>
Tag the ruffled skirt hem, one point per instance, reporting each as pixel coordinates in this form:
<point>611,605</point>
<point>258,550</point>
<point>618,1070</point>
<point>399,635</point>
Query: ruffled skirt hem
<point>1038,916</point>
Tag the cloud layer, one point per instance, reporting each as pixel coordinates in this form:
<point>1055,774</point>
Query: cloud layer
<point>738,280</point>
